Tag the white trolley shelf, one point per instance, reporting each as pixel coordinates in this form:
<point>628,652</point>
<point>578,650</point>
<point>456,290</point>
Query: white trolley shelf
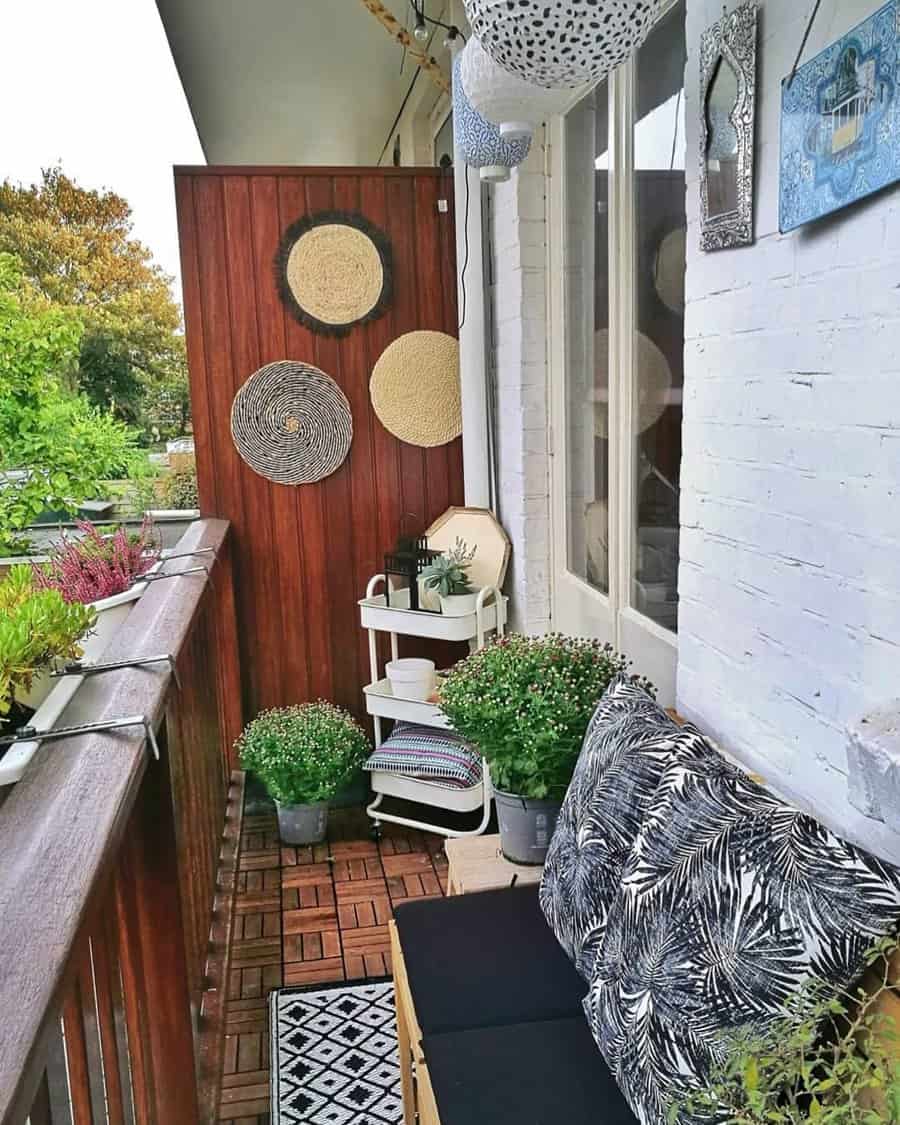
<point>396,619</point>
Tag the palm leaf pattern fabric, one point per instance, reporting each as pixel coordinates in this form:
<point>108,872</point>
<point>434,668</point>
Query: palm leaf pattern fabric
<point>627,746</point>
<point>729,901</point>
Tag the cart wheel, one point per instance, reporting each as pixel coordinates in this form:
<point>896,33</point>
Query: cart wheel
<point>376,832</point>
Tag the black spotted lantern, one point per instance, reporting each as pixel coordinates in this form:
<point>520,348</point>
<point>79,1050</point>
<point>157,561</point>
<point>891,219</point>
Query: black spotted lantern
<point>404,565</point>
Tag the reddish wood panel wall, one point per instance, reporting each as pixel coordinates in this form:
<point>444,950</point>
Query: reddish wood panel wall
<point>304,554</point>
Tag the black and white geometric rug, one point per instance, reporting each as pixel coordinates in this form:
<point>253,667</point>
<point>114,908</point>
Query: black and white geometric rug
<point>334,1056</point>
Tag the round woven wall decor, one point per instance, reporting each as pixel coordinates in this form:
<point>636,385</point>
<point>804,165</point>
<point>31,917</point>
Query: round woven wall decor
<point>291,423</point>
<point>415,388</point>
<point>333,270</point>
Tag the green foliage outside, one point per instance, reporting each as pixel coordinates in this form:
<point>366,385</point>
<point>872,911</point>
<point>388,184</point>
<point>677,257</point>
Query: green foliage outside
<point>77,255</point>
<point>36,628</point>
<point>833,1059</point>
<point>55,443</point>
<point>305,753</point>
<point>525,702</point>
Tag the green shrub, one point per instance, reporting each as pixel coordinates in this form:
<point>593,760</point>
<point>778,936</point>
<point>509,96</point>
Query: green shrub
<point>37,627</point>
<point>305,753</point>
<point>525,702</point>
<point>60,446</point>
<point>181,490</point>
<point>833,1059</point>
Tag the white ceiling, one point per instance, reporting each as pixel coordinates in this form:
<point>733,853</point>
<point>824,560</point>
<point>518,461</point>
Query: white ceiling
<point>288,81</point>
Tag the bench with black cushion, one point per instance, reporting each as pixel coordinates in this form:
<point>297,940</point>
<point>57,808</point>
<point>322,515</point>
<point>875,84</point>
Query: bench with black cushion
<point>500,1009</point>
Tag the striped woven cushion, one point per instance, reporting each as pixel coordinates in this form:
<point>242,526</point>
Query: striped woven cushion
<point>419,751</point>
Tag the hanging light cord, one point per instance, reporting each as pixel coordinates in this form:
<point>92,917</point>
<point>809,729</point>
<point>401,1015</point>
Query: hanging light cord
<point>462,276</point>
<point>812,20</point>
<point>418,6</point>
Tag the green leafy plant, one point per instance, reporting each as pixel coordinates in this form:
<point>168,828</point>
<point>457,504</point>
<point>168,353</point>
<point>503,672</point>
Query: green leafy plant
<point>525,702</point>
<point>447,574</point>
<point>55,448</point>
<point>181,490</point>
<point>304,753</point>
<point>37,627</point>
<point>833,1059</point>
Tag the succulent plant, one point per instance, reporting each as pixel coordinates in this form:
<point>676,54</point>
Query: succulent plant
<point>447,574</point>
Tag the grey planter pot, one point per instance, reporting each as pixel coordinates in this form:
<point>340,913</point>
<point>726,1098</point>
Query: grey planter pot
<point>302,824</point>
<point>526,827</point>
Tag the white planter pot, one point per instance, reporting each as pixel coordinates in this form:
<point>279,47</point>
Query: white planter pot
<point>55,695</point>
<point>411,678</point>
<point>111,615</point>
<point>458,605</point>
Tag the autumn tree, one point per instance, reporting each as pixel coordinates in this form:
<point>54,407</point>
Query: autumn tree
<point>76,251</point>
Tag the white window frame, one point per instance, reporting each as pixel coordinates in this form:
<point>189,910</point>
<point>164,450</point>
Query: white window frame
<point>653,648</point>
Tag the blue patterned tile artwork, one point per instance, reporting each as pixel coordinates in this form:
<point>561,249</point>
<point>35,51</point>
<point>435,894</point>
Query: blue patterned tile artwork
<point>840,122</point>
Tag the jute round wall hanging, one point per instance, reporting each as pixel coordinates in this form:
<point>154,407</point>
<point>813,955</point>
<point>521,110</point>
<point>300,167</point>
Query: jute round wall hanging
<point>333,270</point>
<point>291,423</point>
<point>415,388</point>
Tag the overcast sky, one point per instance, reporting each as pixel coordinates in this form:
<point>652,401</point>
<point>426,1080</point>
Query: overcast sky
<point>91,84</point>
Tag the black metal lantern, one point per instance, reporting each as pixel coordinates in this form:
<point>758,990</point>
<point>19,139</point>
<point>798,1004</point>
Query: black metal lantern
<point>407,561</point>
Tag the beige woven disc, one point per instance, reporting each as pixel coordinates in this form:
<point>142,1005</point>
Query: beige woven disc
<point>335,273</point>
<point>654,383</point>
<point>415,388</point>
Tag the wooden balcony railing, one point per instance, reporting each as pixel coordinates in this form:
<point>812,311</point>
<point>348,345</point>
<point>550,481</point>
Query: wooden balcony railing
<point>108,864</point>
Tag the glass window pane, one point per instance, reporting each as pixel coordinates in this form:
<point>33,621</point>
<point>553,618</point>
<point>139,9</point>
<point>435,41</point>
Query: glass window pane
<point>659,155</point>
<point>587,337</point>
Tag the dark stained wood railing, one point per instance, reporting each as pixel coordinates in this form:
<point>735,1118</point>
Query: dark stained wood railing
<point>108,864</point>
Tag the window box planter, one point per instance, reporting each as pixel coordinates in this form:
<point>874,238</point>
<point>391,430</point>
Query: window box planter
<point>111,616</point>
<point>49,697</point>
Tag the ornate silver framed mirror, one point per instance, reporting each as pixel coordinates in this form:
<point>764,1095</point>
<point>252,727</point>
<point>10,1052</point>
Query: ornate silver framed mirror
<point>727,119</point>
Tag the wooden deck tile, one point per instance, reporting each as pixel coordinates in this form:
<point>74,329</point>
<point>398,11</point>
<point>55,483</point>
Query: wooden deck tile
<point>307,916</point>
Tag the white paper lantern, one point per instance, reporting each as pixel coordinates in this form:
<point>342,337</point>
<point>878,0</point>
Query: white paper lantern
<point>479,140</point>
<point>512,103</point>
<point>557,43</point>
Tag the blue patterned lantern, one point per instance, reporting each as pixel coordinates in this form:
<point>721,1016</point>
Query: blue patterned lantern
<point>479,140</point>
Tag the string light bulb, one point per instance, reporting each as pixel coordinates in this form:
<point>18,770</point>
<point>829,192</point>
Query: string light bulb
<point>420,31</point>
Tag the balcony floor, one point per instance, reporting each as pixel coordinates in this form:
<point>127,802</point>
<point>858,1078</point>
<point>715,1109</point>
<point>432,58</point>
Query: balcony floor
<point>306,916</point>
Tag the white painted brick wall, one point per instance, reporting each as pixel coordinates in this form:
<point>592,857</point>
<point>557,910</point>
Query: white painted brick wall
<point>790,572</point>
<point>518,295</point>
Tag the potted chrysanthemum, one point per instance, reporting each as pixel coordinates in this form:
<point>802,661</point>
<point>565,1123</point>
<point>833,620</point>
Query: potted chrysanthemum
<point>526,702</point>
<point>303,755</point>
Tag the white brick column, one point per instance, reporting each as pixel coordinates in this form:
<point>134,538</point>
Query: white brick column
<point>519,307</point>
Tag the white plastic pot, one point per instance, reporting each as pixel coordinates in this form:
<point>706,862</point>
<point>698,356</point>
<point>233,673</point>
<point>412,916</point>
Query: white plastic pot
<point>411,678</point>
<point>111,614</point>
<point>52,696</point>
<point>458,605</point>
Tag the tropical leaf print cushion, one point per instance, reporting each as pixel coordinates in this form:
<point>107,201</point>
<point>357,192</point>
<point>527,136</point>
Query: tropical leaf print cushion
<point>628,744</point>
<point>729,902</point>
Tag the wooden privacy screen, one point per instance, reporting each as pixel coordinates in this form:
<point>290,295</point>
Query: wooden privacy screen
<point>305,553</point>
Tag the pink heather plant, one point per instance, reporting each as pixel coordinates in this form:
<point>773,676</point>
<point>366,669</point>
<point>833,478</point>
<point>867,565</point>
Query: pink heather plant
<point>98,566</point>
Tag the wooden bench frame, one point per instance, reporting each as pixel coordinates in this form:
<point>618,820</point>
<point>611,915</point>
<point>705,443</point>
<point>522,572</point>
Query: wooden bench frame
<point>418,1096</point>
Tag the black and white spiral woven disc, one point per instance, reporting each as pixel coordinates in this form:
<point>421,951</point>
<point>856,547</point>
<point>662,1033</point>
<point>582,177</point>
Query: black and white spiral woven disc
<point>291,423</point>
